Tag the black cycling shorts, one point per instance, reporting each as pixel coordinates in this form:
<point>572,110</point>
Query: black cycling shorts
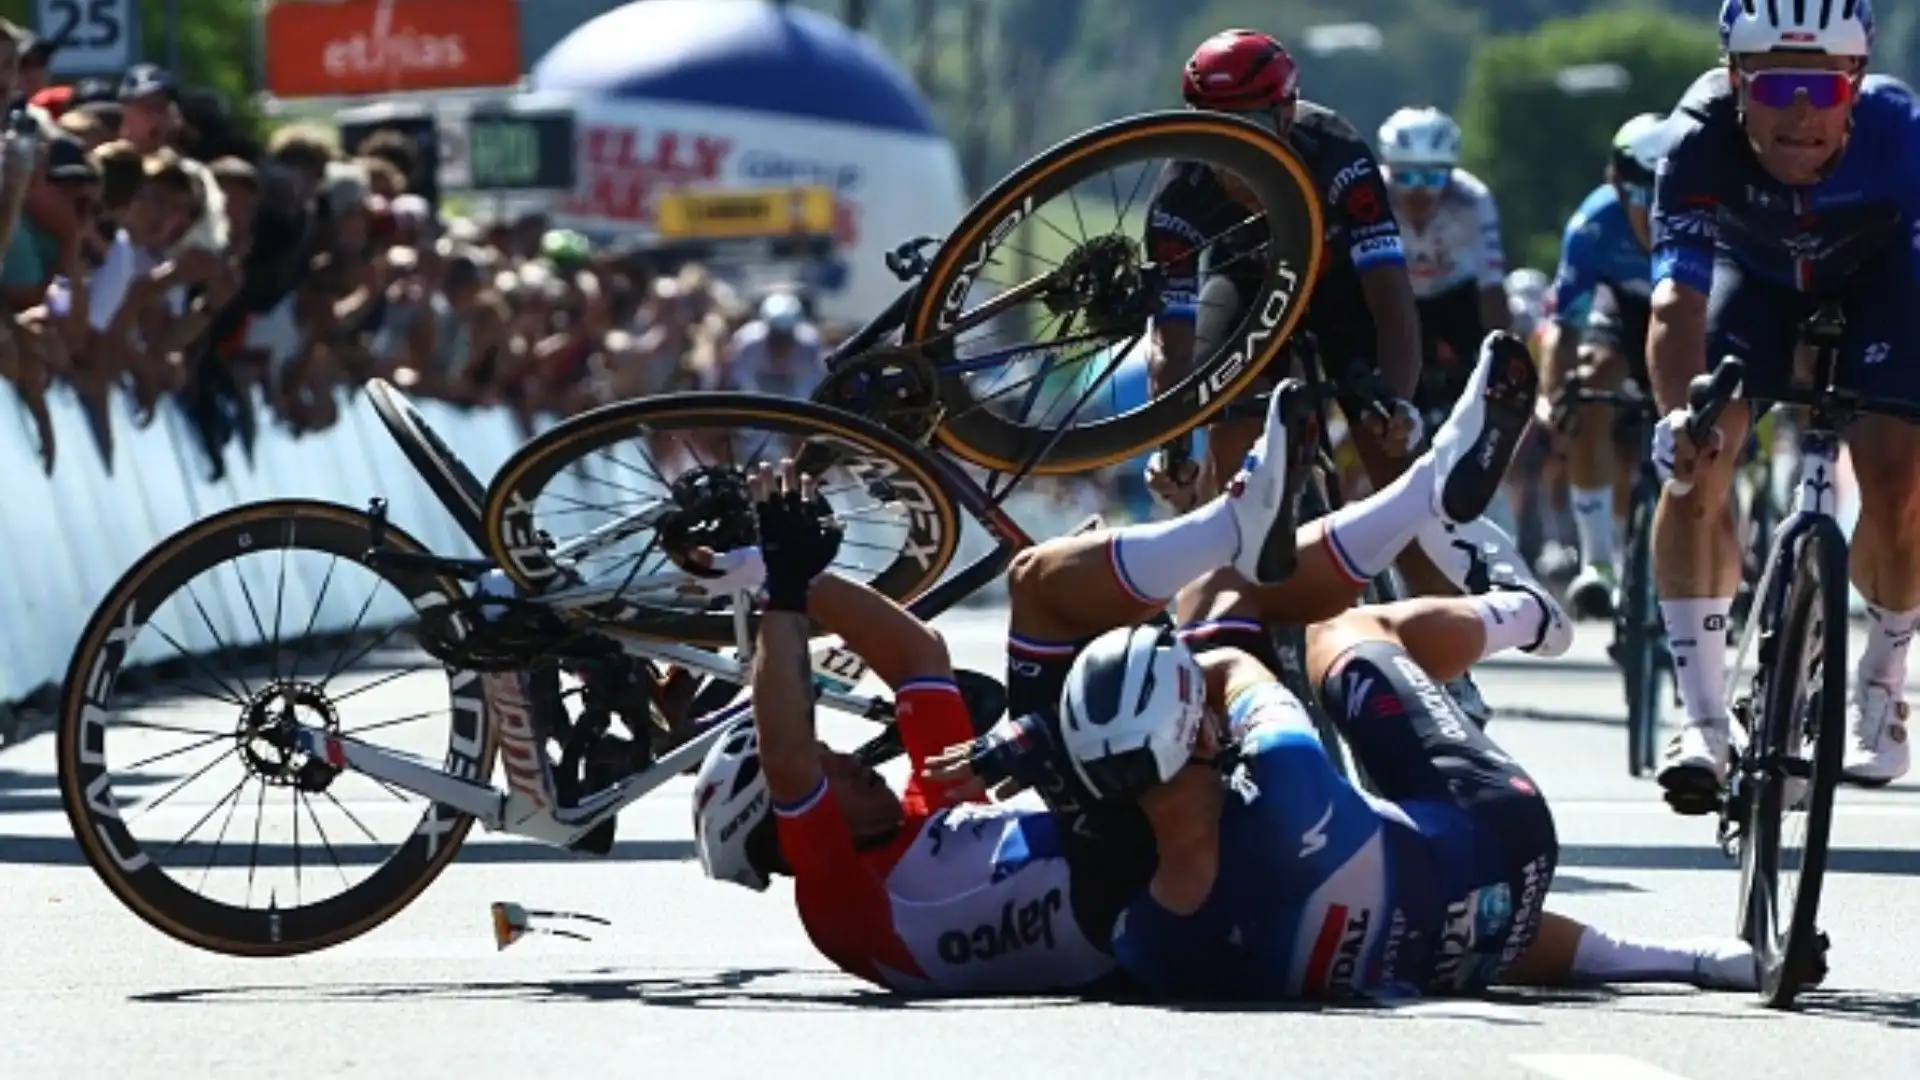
<point>1419,749</point>
<point>1759,321</point>
<point>1450,336</point>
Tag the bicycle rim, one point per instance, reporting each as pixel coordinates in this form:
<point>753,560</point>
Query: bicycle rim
<point>1288,198</point>
<point>1804,705</point>
<point>92,723</point>
<point>902,502</point>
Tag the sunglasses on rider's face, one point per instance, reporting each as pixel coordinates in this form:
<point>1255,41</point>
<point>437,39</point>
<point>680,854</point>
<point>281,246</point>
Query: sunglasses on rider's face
<point>1420,179</point>
<point>1779,88</point>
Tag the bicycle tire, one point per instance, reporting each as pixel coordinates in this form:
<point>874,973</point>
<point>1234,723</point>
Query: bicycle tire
<point>451,482</point>
<point>86,789</point>
<point>1279,182</point>
<point>514,537</point>
<point>1638,628</point>
<point>1809,595</point>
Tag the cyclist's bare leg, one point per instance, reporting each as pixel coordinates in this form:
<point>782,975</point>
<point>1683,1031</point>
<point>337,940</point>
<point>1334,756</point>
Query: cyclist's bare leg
<point>1592,484</point>
<point>1444,635</point>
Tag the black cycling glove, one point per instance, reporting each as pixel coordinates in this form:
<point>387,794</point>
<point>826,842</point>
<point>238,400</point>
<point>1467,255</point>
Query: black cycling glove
<point>798,540</point>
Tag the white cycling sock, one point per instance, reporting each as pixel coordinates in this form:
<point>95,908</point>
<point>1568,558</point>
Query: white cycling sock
<point>1593,523</point>
<point>1156,559</point>
<point>1513,620</point>
<point>1365,537</point>
<point>1697,633</point>
<point>1888,634</point>
<point>1603,958</point>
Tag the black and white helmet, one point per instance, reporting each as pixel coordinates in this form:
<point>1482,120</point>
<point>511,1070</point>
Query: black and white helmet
<point>1832,27</point>
<point>1420,137</point>
<point>733,832</point>
<point>1131,710</point>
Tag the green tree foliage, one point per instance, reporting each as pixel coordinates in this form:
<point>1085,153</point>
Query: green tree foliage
<point>1542,149</point>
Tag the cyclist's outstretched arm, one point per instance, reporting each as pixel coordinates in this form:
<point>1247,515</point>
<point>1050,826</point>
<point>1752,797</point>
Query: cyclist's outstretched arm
<point>782,687</point>
<point>896,645</point>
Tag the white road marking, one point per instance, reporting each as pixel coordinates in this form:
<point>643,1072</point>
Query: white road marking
<point>1654,808</point>
<point>1593,1067</point>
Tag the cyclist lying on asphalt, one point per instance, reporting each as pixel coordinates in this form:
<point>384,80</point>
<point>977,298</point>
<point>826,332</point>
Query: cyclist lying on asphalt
<point>932,893</point>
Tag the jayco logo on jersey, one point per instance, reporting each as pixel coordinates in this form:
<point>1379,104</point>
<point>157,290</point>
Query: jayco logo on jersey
<point>1020,927</point>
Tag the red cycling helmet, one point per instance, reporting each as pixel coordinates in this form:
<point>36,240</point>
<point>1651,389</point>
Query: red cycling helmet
<point>1237,70</point>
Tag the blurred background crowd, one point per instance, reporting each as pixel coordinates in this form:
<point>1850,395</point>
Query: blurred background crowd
<point>152,247</point>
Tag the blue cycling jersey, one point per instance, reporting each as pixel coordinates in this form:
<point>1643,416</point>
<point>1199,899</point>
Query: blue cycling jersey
<point>1713,199</point>
<point>1326,892</point>
<point>1599,250</point>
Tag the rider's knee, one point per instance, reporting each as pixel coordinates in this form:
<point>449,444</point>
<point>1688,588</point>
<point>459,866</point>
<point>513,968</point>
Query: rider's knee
<point>1224,593</point>
<point>1027,574</point>
<point>1886,462</point>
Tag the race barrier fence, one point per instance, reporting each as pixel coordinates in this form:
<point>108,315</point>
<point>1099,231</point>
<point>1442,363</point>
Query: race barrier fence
<point>70,536</point>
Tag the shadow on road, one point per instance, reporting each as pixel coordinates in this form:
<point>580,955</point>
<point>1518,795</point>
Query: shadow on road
<point>1890,1008</point>
<point>63,851</point>
<point>736,988</point>
<point>1878,861</point>
<point>1573,883</point>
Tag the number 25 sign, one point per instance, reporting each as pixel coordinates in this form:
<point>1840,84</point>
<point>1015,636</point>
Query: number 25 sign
<point>96,37</point>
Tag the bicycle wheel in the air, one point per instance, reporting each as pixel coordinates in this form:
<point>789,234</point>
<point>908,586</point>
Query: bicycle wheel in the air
<point>1037,310</point>
<point>190,797</point>
<point>615,498</point>
<point>1793,764</point>
<point>451,482</point>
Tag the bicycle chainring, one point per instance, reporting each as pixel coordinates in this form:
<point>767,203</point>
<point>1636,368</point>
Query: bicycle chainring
<point>493,633</point>
<point>895,388</point>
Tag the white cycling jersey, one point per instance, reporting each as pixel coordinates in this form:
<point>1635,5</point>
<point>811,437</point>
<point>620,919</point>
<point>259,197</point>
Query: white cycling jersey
<point>1460,243</point>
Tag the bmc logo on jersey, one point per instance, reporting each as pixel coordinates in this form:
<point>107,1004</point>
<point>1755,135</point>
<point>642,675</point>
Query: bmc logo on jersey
<point>1335,961</point>
<point>1020,926</point>
<point>1346,178</point>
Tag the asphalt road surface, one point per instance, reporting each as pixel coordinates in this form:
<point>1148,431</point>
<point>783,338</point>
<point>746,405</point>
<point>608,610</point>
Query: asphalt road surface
<point>699,979</point>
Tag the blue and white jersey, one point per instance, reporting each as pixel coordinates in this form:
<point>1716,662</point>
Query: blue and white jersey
<point>1599,250</point>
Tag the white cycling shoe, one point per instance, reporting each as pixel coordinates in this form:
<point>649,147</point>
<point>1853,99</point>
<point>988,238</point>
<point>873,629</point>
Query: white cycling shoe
<point>1473,446</point>
<point>1590,594</point>
<point>1695,770</point>
<point>1479,558</point>
<point>1257,497</point>
<point>1877,750</point>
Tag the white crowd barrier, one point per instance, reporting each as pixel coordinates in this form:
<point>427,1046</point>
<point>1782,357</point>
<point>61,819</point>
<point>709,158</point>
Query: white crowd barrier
<point>69,537</point>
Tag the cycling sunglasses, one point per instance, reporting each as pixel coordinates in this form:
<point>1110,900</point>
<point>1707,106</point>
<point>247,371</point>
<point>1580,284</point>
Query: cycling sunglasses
<point>1428,178</point>
<point>1779,88</point>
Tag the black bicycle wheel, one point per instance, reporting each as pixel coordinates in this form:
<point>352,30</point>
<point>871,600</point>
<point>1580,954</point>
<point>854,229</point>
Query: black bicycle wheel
<point>451,481</point>
<point>943,307</point>
<point>902,525</point>
<point>260,674</point>
<point>1637,629</point>
<point>1802,703</point>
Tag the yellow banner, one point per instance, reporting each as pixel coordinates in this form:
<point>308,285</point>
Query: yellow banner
<point>745,214</point>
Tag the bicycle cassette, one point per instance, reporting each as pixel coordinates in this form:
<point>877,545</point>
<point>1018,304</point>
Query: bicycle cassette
<point>895,388</point>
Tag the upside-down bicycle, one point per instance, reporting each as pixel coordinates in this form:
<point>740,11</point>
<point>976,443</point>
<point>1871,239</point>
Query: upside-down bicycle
<point>602,591</point>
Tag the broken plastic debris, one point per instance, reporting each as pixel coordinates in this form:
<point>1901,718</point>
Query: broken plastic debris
<point>511,922</point>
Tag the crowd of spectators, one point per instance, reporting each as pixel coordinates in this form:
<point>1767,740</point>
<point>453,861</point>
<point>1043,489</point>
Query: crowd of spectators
<point>153,249</point>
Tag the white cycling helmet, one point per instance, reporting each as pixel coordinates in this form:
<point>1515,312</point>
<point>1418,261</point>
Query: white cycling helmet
<point>1833,27</point>
<point>1415,137</point>
<point>1131,709</point>
<point>733,810</point>
<point>1638,147</point>
<point>1527,284</point>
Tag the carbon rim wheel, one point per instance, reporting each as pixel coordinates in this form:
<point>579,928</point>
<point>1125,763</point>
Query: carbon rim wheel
<point>1638,626</point>
<point>452,482</point>
<point>1804,709</point>
<point>605,467</point>
<point>215,611</point>
<point>1006,224</point>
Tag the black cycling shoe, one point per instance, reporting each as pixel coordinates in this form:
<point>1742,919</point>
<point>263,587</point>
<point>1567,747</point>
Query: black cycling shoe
<point>1476,443</point>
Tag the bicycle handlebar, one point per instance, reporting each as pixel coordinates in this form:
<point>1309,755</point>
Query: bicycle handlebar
<point>1708,396</point>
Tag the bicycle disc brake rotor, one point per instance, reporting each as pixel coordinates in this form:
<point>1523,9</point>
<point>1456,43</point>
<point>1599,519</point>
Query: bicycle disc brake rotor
<point>712,509</point>
<point>895,388</point>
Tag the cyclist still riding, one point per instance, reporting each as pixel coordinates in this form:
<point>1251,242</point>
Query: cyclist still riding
<point>1792,178</point>
<point>1598,324</point>
<point>1450,231</point>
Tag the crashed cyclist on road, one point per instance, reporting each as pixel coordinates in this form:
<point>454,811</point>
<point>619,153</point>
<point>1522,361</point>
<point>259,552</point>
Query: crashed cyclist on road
<point>922,894</point>
<point>1362,312</point>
